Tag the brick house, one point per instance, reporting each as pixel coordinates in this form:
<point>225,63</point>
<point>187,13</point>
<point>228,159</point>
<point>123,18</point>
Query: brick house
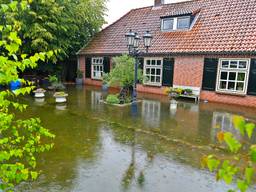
<point>203,44</point>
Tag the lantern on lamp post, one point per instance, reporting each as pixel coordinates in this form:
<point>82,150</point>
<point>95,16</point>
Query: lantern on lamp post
<point>133,42</point>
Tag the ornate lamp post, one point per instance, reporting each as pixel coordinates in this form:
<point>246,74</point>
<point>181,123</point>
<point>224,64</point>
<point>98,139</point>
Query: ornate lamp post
<point>133,42</point>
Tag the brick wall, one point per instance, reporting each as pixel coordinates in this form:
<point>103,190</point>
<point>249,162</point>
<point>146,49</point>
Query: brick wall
<point>81,64</point>
<point>249,101</point>
<point>188,71</point>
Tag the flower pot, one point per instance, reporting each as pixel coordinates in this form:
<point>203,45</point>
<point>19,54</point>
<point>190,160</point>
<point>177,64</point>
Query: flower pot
<point>39,93</point>
<point>79,81</point>
<point>60,97</point>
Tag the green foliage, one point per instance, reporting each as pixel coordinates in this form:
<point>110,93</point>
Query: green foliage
<point>240,168</point>
<point>20,140</point>
<point>122,73</point>
<point>112,99</point>
<point>53,79</point>
<point>63,25</point>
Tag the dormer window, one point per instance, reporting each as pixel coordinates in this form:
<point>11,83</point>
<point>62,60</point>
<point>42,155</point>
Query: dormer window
<point>167,24</point>
<point>176,23</point>
<point>183,22</point>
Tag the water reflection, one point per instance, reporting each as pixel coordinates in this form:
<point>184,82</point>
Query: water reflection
<point>96,96</point>
<point>222,121</point>
<point>151,112</point>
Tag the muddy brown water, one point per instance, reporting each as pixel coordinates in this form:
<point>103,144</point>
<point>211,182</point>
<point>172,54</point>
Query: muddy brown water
<point>144,147</point>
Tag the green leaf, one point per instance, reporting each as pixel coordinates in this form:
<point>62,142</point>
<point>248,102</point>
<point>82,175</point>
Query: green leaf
<point>242,185</point>
<point>239,123</point>
<point>249,174</point>
<point>253,153</point>
<point>212,163</point>
<point>249,127</point>
<point>233,144</point>
<point>34,175</point>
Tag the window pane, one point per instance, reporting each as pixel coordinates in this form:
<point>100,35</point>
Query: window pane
<point>167,24</point>
<point>225,64</point>
<point>224,75</point>
<point>158,62</point>
<point>153,62</point>
<point>152,79</point>
<point>153,71</point>
<point>241,77</point>
<point>147,71</point>
<point>158,71</point>
<point>231,85</point>
<point>148,62</point>
<point>240,86</point>
<point>232,76</point>
<point>158,79</point>
<point>223,85</point>
<point>183,23</point>
<point>233,64</point>
<point>242,64</point>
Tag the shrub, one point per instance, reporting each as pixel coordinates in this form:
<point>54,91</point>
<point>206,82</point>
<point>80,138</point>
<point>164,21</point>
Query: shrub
<point>112,99</point>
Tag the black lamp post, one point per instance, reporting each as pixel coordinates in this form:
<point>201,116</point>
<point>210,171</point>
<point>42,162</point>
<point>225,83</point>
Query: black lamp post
<point>133,42</point>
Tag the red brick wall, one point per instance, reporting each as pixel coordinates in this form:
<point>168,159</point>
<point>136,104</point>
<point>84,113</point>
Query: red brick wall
<point>81,63</point>
<point>150,89</point>
<point>249,101</point>
<point>188,71</point>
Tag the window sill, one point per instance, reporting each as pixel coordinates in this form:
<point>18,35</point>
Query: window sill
<point>231,93</point>
<point>96,79</point>
<point>152,85</point>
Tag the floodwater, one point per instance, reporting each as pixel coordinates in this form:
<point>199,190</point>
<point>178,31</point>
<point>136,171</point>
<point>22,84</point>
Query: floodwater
<point>142,148</point>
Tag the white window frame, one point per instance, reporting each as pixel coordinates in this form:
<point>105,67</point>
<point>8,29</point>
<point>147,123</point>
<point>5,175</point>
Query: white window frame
<point>145,82</point>
<point>237,70</point>
<point>184,17</point>
<point>175,24</point>
<point>97,64</point>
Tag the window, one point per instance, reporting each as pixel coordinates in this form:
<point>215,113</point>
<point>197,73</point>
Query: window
<point>175,23</point>
<point>97,68</point>
<point>153,71</point>
<point>183,23</point>
<point>167,24</point>
<point>233,75</point>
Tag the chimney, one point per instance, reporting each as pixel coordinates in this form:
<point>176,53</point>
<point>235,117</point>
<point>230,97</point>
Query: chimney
<point>159,3</point>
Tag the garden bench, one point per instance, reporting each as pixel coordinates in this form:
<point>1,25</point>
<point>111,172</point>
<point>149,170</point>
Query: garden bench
<point>195,92</point>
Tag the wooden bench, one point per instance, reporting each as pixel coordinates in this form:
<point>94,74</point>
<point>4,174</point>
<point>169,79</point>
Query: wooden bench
<point>195,92</point>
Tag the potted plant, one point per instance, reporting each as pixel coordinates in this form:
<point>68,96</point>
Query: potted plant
<point>39,93</point>
<point>60,97</point>
<point>55,83</point>
<point>79,77</point>
<point>188,92</point>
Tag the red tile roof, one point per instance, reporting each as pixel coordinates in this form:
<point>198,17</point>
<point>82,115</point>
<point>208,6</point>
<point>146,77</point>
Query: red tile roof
<point>222,26</point>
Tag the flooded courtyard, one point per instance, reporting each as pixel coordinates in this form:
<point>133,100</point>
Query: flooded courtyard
<point>144,147</point>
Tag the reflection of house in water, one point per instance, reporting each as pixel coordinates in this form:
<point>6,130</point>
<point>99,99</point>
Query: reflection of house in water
<point>96,96</point>
<point>151,111</point>
<point>222,121</point>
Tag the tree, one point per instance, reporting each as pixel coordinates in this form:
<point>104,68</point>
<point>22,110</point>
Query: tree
<point>240,168</point>
<point>122,75</point>
<point>20,140</point>
<point>66,25</point>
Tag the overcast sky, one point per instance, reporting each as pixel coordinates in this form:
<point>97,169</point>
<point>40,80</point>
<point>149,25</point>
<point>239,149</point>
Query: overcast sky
<point>117,8</point>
